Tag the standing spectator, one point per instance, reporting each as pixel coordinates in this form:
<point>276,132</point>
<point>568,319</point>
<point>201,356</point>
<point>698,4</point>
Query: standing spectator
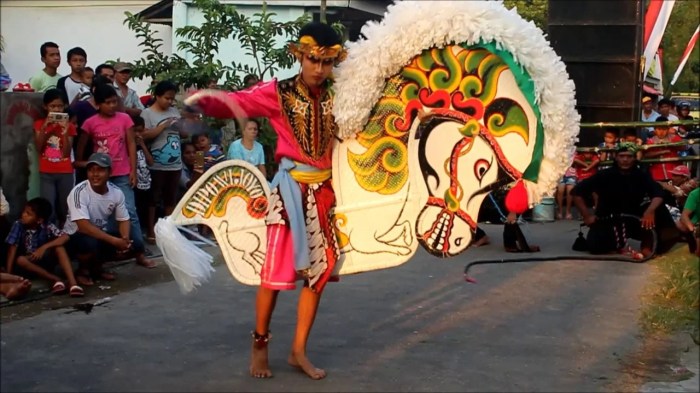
<point>250,80</point>
<point>691,216</point>
<point>72,85</point>
<point>111,133</point>
<point>565,186</point>
<point>660,171</point>
<point>649,115</point>
<point>213,154</point>
<point>81,111</point>
<point>95,207</point>
<point>247,148</point>
<point>54,143</point>
<point>105,70</point>
<point>132,103</point>
<point>165,148</point>
<point>48,77</point>
<point>190,170</point>
<point>665,107</point>
<point>34,243</point>
<point>144,159</point>
<point>609,142</point>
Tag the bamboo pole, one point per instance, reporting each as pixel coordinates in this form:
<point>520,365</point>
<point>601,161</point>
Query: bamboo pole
<point>641,147</point>
<point>639,124</point>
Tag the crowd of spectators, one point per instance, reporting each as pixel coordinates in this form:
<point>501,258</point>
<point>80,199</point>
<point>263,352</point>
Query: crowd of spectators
<point>110,163</point>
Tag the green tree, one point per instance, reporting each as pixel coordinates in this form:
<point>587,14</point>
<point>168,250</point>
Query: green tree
<point>534,10</point>
<point>681,25</point>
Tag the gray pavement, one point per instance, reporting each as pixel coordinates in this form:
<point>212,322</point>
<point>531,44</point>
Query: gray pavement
<point>523,327</point>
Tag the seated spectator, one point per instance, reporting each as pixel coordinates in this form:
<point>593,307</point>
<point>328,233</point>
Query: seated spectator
<point>691,216</point>
<point>98,222</point>
<point>213,154</point>
<point>72,85</point>
<point>35,245</point>
<point>48,77</point>
<point>565,186</point>
<point>622,189</point>
<point>112,133</point>
<point>630,135</point>
<point>14,287</point>
<point>54,144</point>
<point>661,171</point>
<point>128,96</point>
<point>247,148</point>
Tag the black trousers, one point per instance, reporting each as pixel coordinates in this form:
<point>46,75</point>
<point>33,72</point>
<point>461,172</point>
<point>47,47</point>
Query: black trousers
<point>608,234</point>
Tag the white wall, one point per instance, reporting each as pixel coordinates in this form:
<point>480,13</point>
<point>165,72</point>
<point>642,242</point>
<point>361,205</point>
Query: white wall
<point>96,26</point>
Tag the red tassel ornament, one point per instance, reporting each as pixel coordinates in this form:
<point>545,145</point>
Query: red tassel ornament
<point>517,199</point>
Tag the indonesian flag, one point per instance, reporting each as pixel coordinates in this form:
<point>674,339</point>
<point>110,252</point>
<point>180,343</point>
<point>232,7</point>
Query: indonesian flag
<point>655,21</point>
<point>686,55</point>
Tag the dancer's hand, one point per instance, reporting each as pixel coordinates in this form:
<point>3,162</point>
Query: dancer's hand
<point>648,220</point>
<point>589,219</point>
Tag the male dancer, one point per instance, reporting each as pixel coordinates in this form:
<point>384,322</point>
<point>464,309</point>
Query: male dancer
<point>301,241</point>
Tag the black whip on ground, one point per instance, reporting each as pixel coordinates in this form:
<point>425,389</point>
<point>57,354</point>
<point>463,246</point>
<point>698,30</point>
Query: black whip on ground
<point>602,257</point>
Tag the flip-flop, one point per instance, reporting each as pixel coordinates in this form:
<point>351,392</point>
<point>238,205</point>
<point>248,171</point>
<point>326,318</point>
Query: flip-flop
<point>76,291</point>
<point>58,288</point>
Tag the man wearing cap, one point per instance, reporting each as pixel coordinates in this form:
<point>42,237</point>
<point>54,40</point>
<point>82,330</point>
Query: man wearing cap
<point>649,115</point>
<point>678,188</point>
<point>131,101</point>
<point>622,190</point>
<point>94,206</point>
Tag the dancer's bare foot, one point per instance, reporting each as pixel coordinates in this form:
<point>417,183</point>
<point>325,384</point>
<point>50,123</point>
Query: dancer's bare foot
<point>482,242</point>
<point>302,362</point>
<point>259,366</point>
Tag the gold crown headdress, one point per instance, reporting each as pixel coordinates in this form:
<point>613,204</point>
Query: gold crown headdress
<point>307,45</point>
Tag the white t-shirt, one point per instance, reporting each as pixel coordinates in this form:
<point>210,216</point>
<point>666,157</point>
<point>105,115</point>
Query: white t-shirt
<point>86,204</point>
<point>74,89</point>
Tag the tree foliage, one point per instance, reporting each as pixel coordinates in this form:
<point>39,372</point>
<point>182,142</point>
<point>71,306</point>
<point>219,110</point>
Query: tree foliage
<point>681,26</point>
<point>533,10</point>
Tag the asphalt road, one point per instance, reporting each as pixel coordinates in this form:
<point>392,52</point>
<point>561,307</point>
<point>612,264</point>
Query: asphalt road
<point>420,327</point>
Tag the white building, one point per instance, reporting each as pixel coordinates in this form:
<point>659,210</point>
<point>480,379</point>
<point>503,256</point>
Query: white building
<point>94,25</point>
<point>352,13</point>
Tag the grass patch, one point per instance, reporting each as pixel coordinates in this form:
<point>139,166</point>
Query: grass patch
<point>672,301</point>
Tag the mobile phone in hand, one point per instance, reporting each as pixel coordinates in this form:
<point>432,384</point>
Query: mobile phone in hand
<point>199,160</point>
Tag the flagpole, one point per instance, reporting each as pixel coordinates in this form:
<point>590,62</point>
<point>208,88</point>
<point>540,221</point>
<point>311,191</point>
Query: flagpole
<point>684,59</point>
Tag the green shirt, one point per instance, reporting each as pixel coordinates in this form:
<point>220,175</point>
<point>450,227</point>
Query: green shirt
<point>693,204</point>
<point>42,81</point>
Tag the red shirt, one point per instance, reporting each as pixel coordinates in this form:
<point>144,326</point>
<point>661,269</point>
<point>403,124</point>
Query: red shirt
<point>51,158</point>
<point>581,173</point>
<point>659,171</point>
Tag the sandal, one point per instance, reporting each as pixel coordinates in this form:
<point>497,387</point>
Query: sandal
<point>58,288</point>
<point>76,291</point>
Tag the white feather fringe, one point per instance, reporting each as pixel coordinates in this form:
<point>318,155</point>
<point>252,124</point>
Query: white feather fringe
<point>409,27</point>
<point>190,266</point>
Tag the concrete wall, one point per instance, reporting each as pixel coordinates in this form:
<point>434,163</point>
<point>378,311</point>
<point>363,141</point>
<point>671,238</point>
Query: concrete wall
<point>96,26</point>
<point>18,112</point>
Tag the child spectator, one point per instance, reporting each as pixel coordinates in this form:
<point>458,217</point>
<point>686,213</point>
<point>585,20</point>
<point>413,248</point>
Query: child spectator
<point>144,159</point>
<point>661,171</point>
<point>609,142</point>
<point>88,77</point>
<point>586,164</point>
<point>165,147</point>
<point>630,135</point>
<point>54,143</point>
<point>112,133</point>
<point>34,243</point>
<point>247,148</point>
<point>95,206</point>
<point>565,186</point>
<point>213,154</point>
<point>48,77</point>
<point>72,85</point>
<point>190,170</point>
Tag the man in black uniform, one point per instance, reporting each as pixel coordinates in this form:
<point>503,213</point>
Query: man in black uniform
<point>624,190</point>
